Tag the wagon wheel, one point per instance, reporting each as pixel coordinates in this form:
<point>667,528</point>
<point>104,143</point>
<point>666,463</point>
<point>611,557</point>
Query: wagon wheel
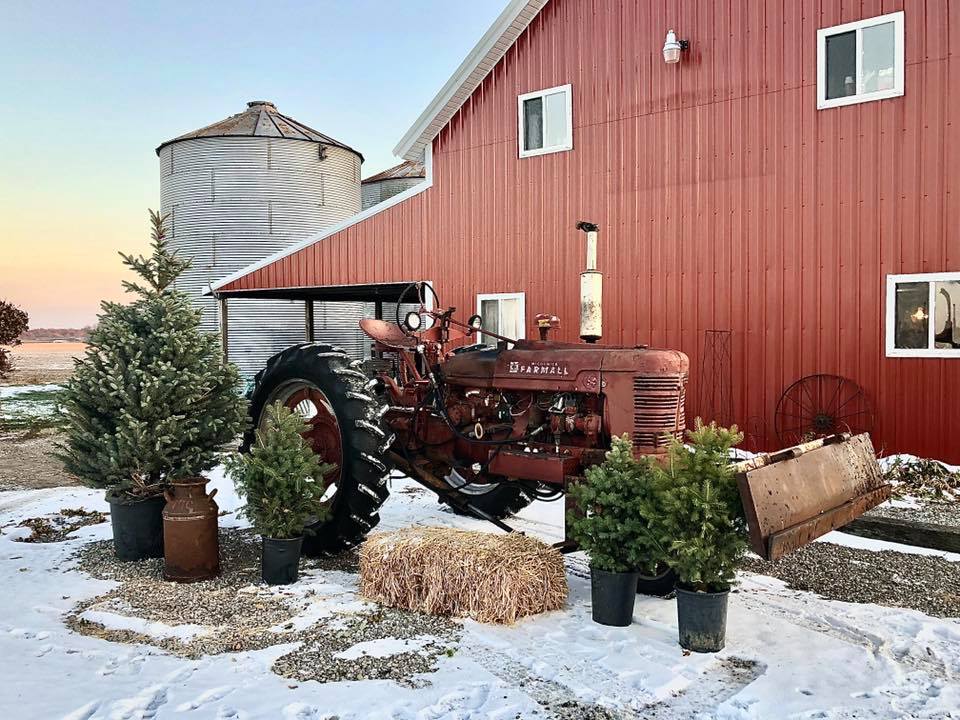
<point>819,405</point>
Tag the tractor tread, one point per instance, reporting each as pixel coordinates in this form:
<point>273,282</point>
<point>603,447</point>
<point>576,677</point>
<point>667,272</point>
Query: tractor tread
<point>501,502</point>
<point>362,487</point>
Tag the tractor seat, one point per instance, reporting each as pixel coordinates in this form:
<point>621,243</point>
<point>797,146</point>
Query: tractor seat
<point>388,334</point>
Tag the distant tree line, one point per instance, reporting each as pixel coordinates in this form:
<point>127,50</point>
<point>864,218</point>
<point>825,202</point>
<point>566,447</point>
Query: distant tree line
<point>48,334</point>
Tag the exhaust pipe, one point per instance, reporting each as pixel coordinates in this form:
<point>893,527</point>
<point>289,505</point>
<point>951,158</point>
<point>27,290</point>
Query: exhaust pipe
<point>591,289</point>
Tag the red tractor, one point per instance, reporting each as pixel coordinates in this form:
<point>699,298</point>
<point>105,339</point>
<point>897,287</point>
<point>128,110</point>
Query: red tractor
<point>488,427</point>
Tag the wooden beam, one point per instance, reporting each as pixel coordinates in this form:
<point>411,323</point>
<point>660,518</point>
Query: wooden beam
<point>907,532</point>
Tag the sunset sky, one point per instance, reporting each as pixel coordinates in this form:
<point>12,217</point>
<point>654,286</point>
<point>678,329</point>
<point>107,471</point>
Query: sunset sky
<point>90,89</point>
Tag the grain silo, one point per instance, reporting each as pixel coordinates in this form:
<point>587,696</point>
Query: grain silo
<point>242,189</point>
<point>390,182</point>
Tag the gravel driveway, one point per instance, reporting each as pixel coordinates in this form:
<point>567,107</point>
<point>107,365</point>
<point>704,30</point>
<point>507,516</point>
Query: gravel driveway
<point>927,583</point>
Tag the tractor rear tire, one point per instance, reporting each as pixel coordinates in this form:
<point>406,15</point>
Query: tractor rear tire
<point>361,484</point>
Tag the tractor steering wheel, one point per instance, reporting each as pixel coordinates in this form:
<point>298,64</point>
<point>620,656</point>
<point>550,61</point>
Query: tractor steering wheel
<point>418,287</point>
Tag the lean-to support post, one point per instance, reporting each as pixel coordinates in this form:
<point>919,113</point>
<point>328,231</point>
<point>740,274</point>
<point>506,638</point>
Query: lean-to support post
<point>224,331</point>
<point>378,315</point>
<point>308,319</point>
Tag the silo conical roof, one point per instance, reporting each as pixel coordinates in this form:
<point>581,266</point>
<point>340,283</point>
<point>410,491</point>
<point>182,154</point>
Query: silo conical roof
<point>260,119</point>
<point>408,169</point>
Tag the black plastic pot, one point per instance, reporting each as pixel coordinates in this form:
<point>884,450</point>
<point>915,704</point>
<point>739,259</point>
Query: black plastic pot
<point>137,526</point>
<point>657,585</point>
<point>280,564</point>
<point>613,595</point>
<point>702,617</point>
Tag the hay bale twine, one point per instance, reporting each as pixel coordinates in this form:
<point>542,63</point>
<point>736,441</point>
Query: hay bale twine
<point>461,573</point>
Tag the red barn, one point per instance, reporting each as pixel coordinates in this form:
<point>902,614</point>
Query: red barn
<point>759,197</point>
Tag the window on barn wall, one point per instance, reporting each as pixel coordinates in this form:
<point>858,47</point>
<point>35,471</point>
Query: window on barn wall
<point>503,314</point>
<point>860,61</point>
<point>922,315</point>
<point>545,121</point>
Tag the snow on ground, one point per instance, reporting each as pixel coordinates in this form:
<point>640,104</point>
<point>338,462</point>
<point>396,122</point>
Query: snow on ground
<point>26,402</point>
<point>789,654</point>
<point>855,541</point>
<point>114,621</point>
<point>385,647</point>
<point>11,391</point>
<point>889,461</point>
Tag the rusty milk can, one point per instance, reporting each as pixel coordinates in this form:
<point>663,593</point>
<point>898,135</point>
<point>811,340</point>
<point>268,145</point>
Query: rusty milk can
<point>191,548</point>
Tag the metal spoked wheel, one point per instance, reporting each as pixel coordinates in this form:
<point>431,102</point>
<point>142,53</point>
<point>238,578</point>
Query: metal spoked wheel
<point>345,428</point>
<point>314,407</point>
<point>819,405</point>
<point>468,484</point>
<point>495,495</point>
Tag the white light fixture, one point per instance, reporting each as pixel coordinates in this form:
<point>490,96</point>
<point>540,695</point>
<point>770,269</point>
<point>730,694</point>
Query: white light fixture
<point>672,48</point>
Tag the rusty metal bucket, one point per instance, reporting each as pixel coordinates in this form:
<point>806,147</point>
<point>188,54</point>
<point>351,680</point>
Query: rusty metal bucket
<point>191,547</point>
<point>795,495</point>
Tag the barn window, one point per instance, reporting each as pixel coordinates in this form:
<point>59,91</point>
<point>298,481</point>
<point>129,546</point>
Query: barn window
<point>545,121</point>
<point>503,314</point>
<point>922,315</point>
<point>860,61</point>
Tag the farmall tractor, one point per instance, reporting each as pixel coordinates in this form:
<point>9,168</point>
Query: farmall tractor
<point>490,429</point>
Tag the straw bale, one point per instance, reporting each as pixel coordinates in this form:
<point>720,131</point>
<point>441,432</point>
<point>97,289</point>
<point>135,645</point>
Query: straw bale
<point>461,573</point>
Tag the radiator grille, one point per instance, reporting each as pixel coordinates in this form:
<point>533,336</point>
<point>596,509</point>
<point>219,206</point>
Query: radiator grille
<point>658,410</point>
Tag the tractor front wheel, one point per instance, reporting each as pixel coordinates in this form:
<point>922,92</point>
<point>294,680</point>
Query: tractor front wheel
<point>497,499</point>
<point>345,427</point>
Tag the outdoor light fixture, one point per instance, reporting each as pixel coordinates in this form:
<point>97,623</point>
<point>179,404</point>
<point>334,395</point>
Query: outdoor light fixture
<point>672,48</point>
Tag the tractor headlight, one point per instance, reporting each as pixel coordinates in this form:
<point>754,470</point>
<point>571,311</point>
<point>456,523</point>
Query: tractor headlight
<point>413,321</point>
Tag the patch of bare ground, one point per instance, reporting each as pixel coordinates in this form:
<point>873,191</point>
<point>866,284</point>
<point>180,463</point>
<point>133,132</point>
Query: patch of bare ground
<point>57,527</point>
<point>27,463</point>
<point>37,363</point>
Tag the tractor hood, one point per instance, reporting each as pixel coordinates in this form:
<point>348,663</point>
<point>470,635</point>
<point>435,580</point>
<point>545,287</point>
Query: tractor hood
<point>562,367</point>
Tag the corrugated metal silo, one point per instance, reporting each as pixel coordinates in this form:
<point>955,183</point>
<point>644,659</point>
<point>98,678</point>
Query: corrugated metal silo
<point>390,182</point>
<point>244,188</point>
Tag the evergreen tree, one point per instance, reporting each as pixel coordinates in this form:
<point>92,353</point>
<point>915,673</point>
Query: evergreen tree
<point>13,323</point>
<point>696,512</point>
<point>608,524</point>
<point>151,401</point>
<point>281,478</point>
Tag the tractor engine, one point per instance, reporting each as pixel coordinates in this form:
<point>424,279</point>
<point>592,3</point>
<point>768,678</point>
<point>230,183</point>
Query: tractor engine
<point>541,410</point>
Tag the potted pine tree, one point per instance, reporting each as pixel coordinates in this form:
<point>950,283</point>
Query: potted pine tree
<point>150,402</point>
<point>282,481</point>
<point>698,516</point>
<point>608,524</point>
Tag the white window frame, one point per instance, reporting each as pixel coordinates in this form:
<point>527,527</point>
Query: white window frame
<point>930,351</point>
<point>522,304</point>
<point>898,38</point>
<point>568,89</point>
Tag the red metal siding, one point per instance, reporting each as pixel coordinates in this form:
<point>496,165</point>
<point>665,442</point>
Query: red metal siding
<point>726,200</point>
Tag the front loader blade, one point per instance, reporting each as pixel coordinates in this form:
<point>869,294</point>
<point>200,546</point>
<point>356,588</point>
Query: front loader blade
<point>795,495</point>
